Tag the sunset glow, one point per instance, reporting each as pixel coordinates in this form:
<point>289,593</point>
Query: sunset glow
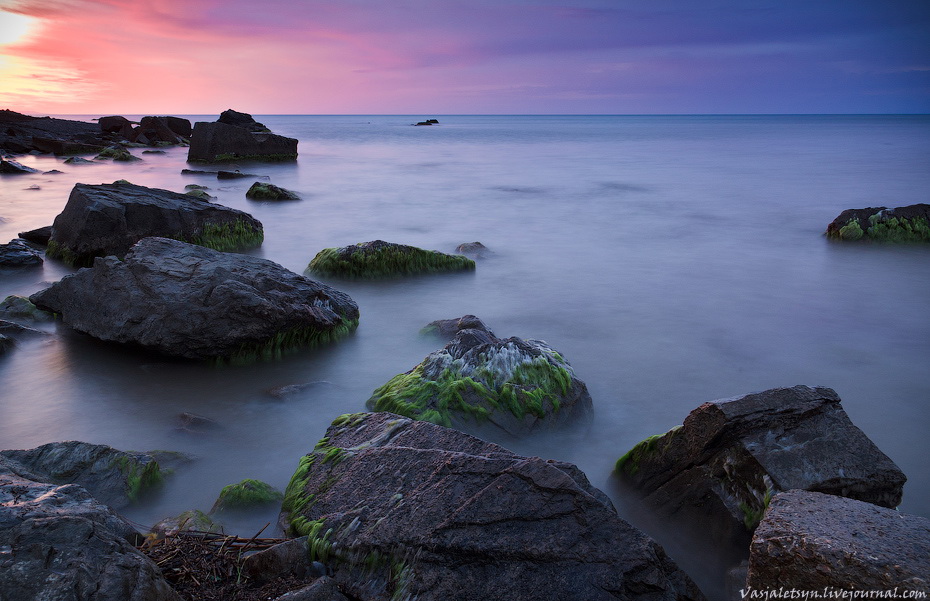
<point>579,56</point>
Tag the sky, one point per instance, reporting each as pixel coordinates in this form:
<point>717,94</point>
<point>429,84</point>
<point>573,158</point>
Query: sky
<point>433,57</point>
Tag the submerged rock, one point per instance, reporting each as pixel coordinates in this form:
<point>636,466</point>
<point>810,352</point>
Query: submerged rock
<point>192,520</point>
<point>901,224</point>
<point>21,309</point>
<point>732,455</point>
<point>264,191</point>
<point>11,167</point>
<point>810,541</point>
<point>19,254</point>
<point>410,510</point>
<point>448,328</point>
<point>117,154</point>
<point>58,542</point>
<point>380,259</point>
<point>514,384</point>
<point>107,219</point>
<point>189,301</point>
<point>248,494</point>
<point>473,249</point>
<point>115,478</point>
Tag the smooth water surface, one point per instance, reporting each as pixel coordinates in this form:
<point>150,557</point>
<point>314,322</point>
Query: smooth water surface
<point>671,260</point>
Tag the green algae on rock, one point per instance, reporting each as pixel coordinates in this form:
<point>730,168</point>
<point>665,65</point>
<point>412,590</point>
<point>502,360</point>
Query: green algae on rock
<point>517,385</point>
<point>880,224</point>
<point>266,191</point>
<point>248,494</point>
<point>380,259</point>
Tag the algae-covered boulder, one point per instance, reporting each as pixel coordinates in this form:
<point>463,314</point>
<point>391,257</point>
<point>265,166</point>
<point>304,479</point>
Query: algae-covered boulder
<point>117,154</point>
<point>448,328</point>
<point>901,224</point>
<point>265,191</point>
<point>187,521</point>
<point>248,494</point>
<point>477,379</point>
<point>380,259</point>
<point>107,219</point>
<point>811,541</point>
<point>115,478</point>
<point>189,301</point>
<point>403,509</point>
<point>731,455</point>
<point>21,309</point>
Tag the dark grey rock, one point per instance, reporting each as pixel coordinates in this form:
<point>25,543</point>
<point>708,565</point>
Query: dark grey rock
<point>21,309</point>
<point>473,249</point>
<point>290,558</point>
<point>78,161</point>
<point>322,589</point>
<point>811,541</point>
<point>189,301</point>
<point>19,254</point>
<point>288,390</point>
<point>38,236</point>
<point>107,219</point>
<point>448,328</point>
<point>265,191</point>
<point>11,167</point>
<point>196,424</point>
<point>115,124</point>
<point>732,455</point>
<point>398,506</point>
<point>218,142</point>
<point>244,120</point>
<point>233,175</point>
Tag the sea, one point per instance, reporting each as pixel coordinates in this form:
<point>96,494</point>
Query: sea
<point>672,260</point>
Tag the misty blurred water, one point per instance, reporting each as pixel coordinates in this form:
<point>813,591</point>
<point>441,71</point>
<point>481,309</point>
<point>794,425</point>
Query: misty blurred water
<point>670,260</point>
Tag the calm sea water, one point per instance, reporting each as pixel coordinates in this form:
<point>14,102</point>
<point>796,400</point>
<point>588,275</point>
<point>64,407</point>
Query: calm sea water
<point>671,260</point>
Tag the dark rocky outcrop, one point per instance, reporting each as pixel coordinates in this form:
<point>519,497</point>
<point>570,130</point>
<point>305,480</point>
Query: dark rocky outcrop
<point>17,254</point>
<point>264,191</point>
<point>22,134</point>
<point>189,301</point>
<point>107,219</point>
<point>409,510</point>
<point>58,542</point>
<point>380,259</point>
<point>810,541</point>
<point>237,136</point>
<point>448,328</point>
<point>479,380</point>
<point>901,224</point>
<point>38,236</point>
<point>428,122</point>
<point>730,456</point>
<point>155,130</point>
<point>115,124</point>
<point>11,167</point>
<point>115,478</point>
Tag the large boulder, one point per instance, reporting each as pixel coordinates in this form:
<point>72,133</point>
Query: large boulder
<point>219,142</point>
<point>731,455</point>
<point>107,219</point>
<point>189,301</point>
<point>152,130</point>
<point>115,478</point>
<point>380,259</point>
<point>478,380</point>
<point>115,124</point>
<point>810,541</point>
<point>410,510</point>
<point>901,224</point>
<point>16,253</point>
<point>58,542</point>
<point>244,120</point>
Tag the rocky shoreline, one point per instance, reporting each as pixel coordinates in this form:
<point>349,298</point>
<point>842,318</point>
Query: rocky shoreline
<point>404,502</point>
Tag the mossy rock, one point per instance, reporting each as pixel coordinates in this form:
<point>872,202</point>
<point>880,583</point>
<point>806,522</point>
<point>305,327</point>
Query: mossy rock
<point>248,494</point>
<point>117,154</point>
<point>201,194</point>
<point>880,224</point>
<point>266,191</point>
<point>20,308</point>
<point>192,520</point>
<point>380,259</point>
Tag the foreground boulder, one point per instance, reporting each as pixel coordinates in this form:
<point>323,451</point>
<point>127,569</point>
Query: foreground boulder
<point>58,542</point>
<point>188,301</point>
<point>902,224</point>
<point>380,259</point>
<point>410,510</point>
<point>730,456</point>
<point>115,478</point>
<point>477,379</point>
<point>107,219</point>
<point>811,542</point>
<point>237,136</point>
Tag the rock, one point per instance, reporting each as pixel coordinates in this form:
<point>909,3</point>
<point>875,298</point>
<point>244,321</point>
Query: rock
<point>6,342</point>
<point>115,478</point>
<point>811,542</point>
<point>219,142</point>
<point>396,506</point>
<point>448,328</point>
<point>38,236</point>
<point>117,154</point>
<point>248,494</point>
<point>190,187</point>
<point>380,259</point>
<point>189,301</point>
<point>52,172</point>
<point>64,147</point>
<point>57,542</point>
<point>263,191</point>
<point>473,249</point>
<point>197,172</point>
<point>19,254</point>
<point>115,124</point>
<point>322,589</point>
<point>477,379</point>
<point>244,120</point>
<point>155,129</point>
<point>11,167</point>
<point>33,187</point>
<point>107,219</point>
<point>286,390</point>
<point>154,152</point>
<point>195,424</point>
<point>428,122</point>
<point>235,175</point>
<point>732,455</point>
<point>10,331</point>
<point>200,194</point>
<point>77,161</point>
<point>187,521</point>
<point>284,559</point>
<point>19,308</point>
<point>901,224</point>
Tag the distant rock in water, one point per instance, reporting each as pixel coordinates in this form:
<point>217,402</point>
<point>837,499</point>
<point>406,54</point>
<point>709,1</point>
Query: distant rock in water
<point>473,249</point>
<point>902,224</point>
<point>428,122</point>
<point>448,328</point>
<point>237,136</point>
<point>477,379</point>
<point>107,219</point>
<point>380,259</point>
<point>264,191</point>
<point>810,541</point>
<point>11,167</point>
<point>189,301</point>
<point>730,456</point>
<point>410,510</point>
